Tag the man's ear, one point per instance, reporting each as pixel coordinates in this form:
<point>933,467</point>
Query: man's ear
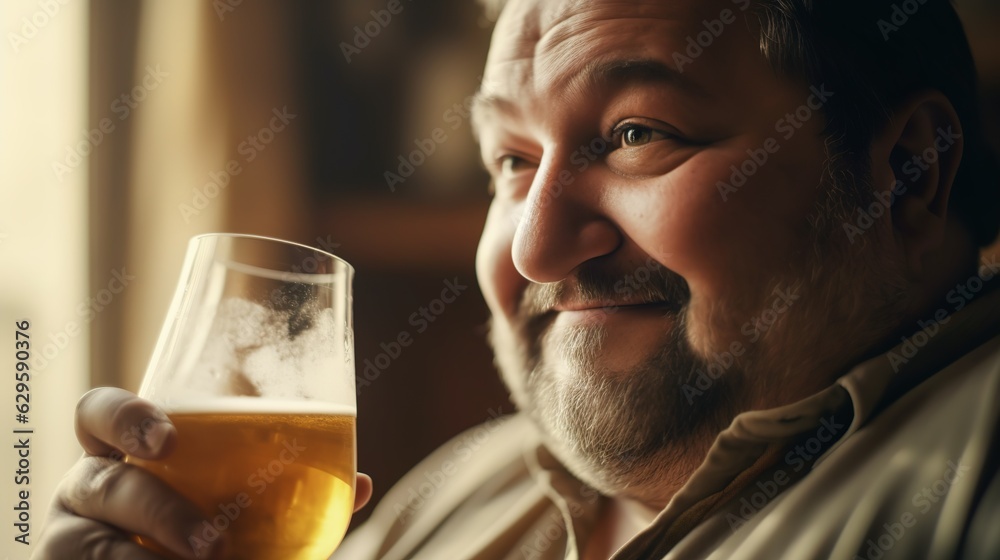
<point>917,156</point>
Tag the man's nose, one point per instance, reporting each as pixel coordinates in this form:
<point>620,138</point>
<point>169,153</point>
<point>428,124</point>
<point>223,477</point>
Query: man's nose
<point>563,225</point>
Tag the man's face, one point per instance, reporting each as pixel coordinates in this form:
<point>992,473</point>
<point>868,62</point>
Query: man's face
<point>656,217</point>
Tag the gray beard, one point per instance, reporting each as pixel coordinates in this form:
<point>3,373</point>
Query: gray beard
<point>617,429</point>
<point>624,432</point>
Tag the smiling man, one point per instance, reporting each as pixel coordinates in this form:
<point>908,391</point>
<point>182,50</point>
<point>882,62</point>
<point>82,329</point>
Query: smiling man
<point>732,261</point>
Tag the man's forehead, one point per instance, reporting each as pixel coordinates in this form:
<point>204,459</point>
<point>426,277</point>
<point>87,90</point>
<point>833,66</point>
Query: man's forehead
<point>542,40</point>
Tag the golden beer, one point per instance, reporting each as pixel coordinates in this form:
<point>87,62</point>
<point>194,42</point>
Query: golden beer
<point>278,481</point>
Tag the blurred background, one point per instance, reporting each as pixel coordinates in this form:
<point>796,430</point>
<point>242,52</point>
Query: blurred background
<point>130,126</point>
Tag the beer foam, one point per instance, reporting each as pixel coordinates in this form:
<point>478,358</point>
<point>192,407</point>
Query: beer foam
<point>260,353</point>
<point>253,405</point>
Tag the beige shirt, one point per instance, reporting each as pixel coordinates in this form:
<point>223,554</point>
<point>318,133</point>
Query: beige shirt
<point>896,460</point>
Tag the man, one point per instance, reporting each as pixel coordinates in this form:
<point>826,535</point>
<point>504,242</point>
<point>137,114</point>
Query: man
<point>732,261</point>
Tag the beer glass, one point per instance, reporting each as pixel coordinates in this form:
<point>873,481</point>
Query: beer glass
<point>255,368</point>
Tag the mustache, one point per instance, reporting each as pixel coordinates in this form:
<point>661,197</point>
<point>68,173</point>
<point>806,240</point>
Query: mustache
<point>595,285</point>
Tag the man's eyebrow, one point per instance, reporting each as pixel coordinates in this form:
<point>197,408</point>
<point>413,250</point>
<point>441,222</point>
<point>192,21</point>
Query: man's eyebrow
<point>611,73</point>
<point>597,75</point>
<point>483,103</point>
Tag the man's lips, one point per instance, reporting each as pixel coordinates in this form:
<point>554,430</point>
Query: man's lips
<point>607,306</point>
<point>614,315</point>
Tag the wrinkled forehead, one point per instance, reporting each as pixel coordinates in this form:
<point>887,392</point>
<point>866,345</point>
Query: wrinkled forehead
<point>536,42</point>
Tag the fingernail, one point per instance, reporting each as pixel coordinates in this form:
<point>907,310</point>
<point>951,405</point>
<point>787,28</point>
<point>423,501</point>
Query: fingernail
<point>157,435</point>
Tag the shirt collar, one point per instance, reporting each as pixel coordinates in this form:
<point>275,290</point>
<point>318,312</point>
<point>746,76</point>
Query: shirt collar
<point>755,437</point>
<point>939,338</point>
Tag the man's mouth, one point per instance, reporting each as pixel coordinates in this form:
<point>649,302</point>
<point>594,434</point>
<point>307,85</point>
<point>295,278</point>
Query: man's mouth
<point>625,315</point>
<point>663,306</point>
<point>590,298</point>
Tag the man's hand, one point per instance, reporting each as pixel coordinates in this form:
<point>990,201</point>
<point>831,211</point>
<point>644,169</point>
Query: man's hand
<point>103,501</point>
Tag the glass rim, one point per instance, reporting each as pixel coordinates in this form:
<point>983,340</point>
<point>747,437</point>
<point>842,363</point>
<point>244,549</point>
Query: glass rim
<point>349,266</point>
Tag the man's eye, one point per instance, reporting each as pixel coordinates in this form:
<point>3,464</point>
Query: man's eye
<point>510,164</point>
<point>634,135</point>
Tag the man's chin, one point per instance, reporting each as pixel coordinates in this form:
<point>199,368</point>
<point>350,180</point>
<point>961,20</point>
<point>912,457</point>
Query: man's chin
<point>608,395</point>
<point>610,401</point>
<point>613,429</point>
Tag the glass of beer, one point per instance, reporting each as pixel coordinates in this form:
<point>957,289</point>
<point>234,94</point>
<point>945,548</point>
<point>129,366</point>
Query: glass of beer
<point>255,368</point>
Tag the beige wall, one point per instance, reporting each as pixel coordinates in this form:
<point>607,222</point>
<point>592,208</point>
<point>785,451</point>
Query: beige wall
<point>43,245</point>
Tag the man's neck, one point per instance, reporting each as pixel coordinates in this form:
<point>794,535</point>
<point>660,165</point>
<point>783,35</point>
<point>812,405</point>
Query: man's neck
<point>620,520</point>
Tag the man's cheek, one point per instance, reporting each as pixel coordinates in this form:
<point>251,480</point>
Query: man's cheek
<point>499,280</point>
<point>678,227</point>
<point>713,329</point>
<point>698,328</point>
